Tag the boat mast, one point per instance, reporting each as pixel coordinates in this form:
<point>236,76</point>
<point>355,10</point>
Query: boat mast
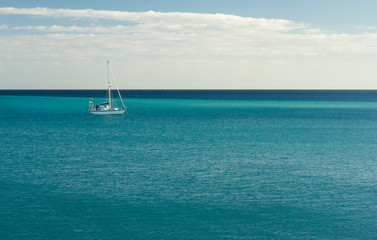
<point>108,82</point>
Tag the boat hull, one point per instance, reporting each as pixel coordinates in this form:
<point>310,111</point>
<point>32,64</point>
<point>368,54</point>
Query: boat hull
<point>108,112</point>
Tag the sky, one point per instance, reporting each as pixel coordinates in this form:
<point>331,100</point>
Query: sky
<point>196,44</point>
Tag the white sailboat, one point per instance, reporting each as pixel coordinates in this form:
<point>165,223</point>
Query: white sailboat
<point>108,108</point>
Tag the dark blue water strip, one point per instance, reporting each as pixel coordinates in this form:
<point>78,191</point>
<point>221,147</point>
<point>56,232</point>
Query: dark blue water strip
<point>280,95</point>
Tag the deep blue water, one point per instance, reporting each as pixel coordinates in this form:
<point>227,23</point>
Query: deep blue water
<point>190,165</point>
<point>278,95</point>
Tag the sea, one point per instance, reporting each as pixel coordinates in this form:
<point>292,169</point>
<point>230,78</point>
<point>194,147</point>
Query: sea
<point>189,164</point>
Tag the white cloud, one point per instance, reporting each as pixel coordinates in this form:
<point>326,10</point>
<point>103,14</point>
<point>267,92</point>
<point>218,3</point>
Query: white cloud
<point>367,27</point>
<point>192,20</point>
<point>72,29</point>
<point>210,34</point>
<point>177,50</point>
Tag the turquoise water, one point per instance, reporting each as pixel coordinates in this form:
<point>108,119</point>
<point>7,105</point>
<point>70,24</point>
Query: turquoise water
<point>188,169</point>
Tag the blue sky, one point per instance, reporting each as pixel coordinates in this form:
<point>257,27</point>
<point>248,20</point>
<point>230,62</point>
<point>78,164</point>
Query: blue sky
<point>335,15</point>
<point>270,44</point>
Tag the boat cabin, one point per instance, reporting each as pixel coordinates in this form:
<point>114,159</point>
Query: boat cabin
<point>102,106</point>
